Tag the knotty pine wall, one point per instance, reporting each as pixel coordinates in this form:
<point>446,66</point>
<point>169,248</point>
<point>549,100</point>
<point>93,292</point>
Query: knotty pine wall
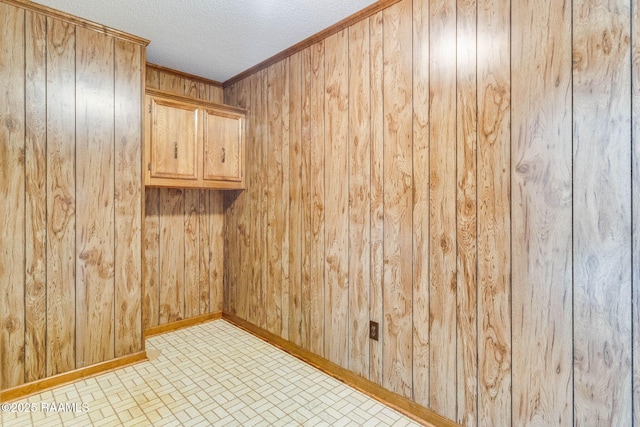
<point>70,185</point>
<point>461,172</point>
<point>183,241</point>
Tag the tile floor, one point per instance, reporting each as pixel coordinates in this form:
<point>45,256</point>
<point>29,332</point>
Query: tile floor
<point>210,374</point>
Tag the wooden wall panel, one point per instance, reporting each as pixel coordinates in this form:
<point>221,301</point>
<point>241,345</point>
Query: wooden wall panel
<point>475,183</point>
<point>95,174</point>
<point>151,259</point>
<point>467,112</point>
<point>336,184</point>
<point>421,177</point>
<point>12,190</point>
<point>286,179</point>
<point>68,92</point>
<point>494,226</point>
<point>398,188</point>
<point>128,198</point>
<point>205,254</point>
<point>296,233</point>
<point>172,265</point>
<point>359,178</point>
<point>216,244</point>
<point>635,202</point>
<point>61,197</point>
<point>541,214</point>
<point>274,199</point>
<point>442,207</point>
<point>376,302</point>
<point>601,206</point>
<point>35,357</point>
<point>191,253</point>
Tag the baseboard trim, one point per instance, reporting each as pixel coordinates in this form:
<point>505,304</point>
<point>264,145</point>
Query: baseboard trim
<point>401,404</point>
<point>160,329</point>
<point>67,377</point>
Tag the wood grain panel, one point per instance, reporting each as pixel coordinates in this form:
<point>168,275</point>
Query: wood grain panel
<point>295,199</point>
<point>95,234</point>
<point>467,112</point>
<point>254,189</point>
<point>359,179</point>
<point>216,243</point>
<point>152,77</point>
<point>376,301</point>
<point>263,142</point>
<point>205,252</point>
<point>61,199</point>
<point>316,199</point>
<point>191,253</point>
<point>286,179</point>
<point>242,213</point>
<point>151,258</point>
<point>36,197</point>
<point>601,206</point>
<point>274,199</point>
<point>172,266</point>
<point>170,82</point>
<point>128,197</point>
<point>494,287</point>
<point>336,174</point>
<point>305,198</point>
<point>231,244</point>
<point>398,271</point>
<point>635,202</point>
<point>421,49</point>
<point>12,191</point>
<point>541,213</point>
<point>442,207</point>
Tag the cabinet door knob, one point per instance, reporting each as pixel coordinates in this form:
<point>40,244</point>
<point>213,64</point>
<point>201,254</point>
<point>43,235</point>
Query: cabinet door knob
<point>224,155</point>
<point>175,149</point>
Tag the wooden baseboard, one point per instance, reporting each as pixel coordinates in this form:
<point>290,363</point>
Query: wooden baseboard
<point>67,377</point>
<point>160,329</point>
<point>403,405</point>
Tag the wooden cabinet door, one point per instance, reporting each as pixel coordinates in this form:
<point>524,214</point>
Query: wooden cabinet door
<point>174,140</point>
<point>223,146</point>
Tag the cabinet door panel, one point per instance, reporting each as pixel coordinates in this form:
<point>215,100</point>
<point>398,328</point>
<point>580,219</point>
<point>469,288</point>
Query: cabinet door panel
<point>174,140</point>
<point>222,146</point>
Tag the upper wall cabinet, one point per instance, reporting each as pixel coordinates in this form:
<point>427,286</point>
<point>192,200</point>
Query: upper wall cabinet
<point>191,143</point>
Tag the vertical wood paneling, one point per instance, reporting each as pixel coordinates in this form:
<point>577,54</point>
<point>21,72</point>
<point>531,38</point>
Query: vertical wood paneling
<point>151,258</point>
<point>494,226</point>
<point>12,188</point>
<point>305,198</point>
<point>316,199</point>
<point>216,243</point>
<point>295,198</point>
<point>635,203</point>
<point>398,187</point>
<point>61,199</point>
<point>254,166</point>
<point>467,319</point>
<point>205,252</point>
<point>191,253</point>
<point>442,207</point>
<point>601,206</point>
<point>359,167</point>
<point>541,213</point>
<point>286,179</point>
<point>421,49</point>
<point>36,196</point>
<point>242,211</point>
<point>172,266</point>
<point>274,199</point>
<point>263,141</point>
<point>336,167</point>
<point>232,291</point>
<point>377,193</point>
<point>128,198</point>
<point>95,234</point>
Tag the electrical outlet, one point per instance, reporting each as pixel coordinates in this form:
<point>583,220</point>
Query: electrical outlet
<point>373,330</point>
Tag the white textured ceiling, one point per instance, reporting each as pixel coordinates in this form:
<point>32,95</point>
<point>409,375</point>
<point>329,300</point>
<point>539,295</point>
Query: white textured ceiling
<point>216,39</point>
